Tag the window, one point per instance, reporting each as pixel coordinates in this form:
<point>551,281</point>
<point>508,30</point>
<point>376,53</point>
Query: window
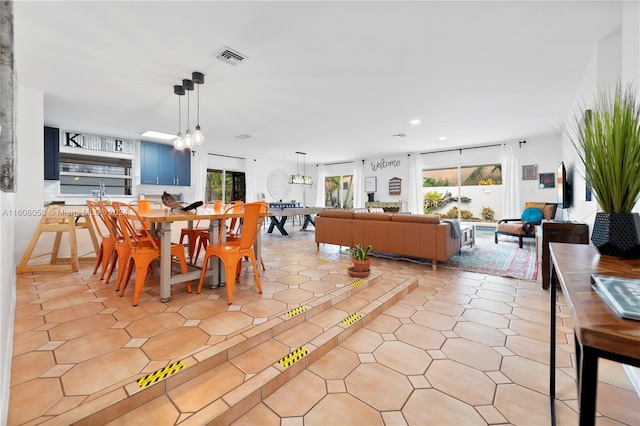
<point>468,193</point>
<point>234,186</point>
<point>85,175</point>
<point>338,191</point>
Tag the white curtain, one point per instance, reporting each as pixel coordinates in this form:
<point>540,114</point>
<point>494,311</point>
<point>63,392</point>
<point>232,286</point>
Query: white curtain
<point>199,176</point>
<point>249,176</point>
<point>511,206</point>
<point>320,186</point>
<point>415,197</point>
<point>358,184</point>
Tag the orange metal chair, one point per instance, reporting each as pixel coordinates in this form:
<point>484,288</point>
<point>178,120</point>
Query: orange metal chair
<point>231,229</point>
<point>195,234</point>
<point>143,249</point>
<point>232,252</point>
<point>104,227</point>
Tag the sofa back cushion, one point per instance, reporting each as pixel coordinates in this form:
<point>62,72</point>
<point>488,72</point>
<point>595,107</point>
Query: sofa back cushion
<point>337,213</point>
<point>386,217</point>
<point>416,218</point>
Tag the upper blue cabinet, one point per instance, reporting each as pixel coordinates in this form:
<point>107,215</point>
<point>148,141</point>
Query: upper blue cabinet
<point>161,164</point>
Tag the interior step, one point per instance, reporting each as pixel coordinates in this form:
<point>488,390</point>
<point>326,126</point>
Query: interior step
<point>220,383</point>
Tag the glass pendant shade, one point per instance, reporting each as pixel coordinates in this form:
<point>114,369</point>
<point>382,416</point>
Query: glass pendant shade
<point>188,140</point>
<point>198,137</point>
<point>179,142</point>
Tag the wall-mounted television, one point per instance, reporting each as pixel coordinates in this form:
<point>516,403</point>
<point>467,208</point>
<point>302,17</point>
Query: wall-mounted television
<point>564,187</point>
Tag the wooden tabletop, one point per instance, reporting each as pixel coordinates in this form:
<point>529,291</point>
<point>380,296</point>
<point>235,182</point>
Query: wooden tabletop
<point>171,215</point>
<point>595,324</point>
<point>295,211</point>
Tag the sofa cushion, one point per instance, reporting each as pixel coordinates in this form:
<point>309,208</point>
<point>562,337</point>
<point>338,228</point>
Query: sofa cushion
<point>416,218</point>
<point>532,214</point>
<point>373,216</point>
<point>548,211</point>
<point>343,214</point>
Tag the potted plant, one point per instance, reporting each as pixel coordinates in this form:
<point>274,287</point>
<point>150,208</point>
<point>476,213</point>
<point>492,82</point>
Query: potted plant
<point>607,140</point>
<point>361,263</point>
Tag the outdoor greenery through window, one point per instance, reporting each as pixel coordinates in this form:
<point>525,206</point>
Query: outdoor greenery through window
<point>469,193</point>
<point>338,191</point>
<point>234,188</point>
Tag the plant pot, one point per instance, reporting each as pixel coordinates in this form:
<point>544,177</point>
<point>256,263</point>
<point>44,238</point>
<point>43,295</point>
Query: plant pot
<point>617,234</point>
<point>355,274</point>
<point>361,265</point>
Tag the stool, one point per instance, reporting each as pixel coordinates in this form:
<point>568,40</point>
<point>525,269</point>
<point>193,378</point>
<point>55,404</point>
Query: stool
<point>55,220</point>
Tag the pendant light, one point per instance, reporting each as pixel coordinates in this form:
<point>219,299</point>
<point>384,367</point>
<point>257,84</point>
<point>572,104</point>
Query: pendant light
<point>298,178</point>
<point>188,139</point>
<point>179,142</point>
<point>198,137</point>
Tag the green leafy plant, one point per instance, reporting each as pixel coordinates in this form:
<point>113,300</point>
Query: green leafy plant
<point>360,253</point>
<point>606,137</point>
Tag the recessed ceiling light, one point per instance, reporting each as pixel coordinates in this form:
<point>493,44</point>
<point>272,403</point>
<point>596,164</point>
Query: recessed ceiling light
<point>415,121</point>
<point>442,138</point>
<point>158,135</point>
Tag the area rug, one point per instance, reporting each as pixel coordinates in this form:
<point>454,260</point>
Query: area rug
<point>504,259</point>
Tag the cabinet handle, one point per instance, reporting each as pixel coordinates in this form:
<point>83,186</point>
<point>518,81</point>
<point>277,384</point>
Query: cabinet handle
<point>177,181</point>
<point>157,181</point>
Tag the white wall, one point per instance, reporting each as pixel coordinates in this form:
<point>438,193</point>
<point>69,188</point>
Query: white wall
<point>17,229</point>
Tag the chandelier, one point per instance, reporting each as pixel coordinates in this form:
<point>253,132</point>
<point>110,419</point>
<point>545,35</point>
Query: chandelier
<point>189,140</point>
<point>298,178</point>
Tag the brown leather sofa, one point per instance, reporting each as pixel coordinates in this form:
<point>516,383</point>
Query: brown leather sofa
<point>417,235</point>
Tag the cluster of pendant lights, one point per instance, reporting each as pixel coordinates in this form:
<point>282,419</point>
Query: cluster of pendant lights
<point>188,140</point>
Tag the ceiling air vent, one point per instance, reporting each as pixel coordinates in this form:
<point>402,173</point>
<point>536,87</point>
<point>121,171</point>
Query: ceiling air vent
<point>243,136</point>
<point>399,135</point>
<point>230,56</point>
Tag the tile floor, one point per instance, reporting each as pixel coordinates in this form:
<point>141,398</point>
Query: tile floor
<point>461,348</point>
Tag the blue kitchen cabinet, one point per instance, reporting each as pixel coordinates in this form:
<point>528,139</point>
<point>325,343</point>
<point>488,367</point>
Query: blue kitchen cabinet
<point>161,164</point>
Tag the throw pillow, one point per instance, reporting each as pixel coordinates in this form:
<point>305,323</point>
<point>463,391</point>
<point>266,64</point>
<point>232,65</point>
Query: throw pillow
<point>532,214</point>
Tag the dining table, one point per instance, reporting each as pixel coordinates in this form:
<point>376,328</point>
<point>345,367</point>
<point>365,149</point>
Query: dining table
<point>161,219</point>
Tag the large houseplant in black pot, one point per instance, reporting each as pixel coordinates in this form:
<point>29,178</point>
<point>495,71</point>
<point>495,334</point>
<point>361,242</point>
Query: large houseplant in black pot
<point>607,141</point>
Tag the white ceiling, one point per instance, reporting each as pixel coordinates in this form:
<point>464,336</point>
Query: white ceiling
<point>333,79</point>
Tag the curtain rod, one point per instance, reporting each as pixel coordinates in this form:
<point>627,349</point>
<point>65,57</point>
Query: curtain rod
<point>471,147</point>
<point>334,164</point>
<point>460,149</point>
<point>226,156</point>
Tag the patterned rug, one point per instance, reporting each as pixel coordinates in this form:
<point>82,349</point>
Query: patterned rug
<point>504,259</point>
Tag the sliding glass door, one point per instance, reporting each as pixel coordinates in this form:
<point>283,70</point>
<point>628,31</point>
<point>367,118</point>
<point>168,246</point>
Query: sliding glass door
<point>234,187</point>
<point>338,191</point>
<point>471,193</point>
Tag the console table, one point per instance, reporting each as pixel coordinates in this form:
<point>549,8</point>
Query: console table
<point>560,232</point>
<point>599,333</point>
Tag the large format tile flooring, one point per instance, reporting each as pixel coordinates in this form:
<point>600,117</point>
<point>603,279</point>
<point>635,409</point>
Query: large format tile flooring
<point>458,348</point>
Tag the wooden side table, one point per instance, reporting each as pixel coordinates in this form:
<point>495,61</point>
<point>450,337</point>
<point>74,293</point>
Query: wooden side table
<point>560,232</point>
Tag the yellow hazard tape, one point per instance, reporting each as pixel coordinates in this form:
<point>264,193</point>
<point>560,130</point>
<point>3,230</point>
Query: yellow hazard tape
<point>297,311</point>
<point>293,357</point>
<point>352,318</point>
<point>163,373</point>
<point>356,283</point>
